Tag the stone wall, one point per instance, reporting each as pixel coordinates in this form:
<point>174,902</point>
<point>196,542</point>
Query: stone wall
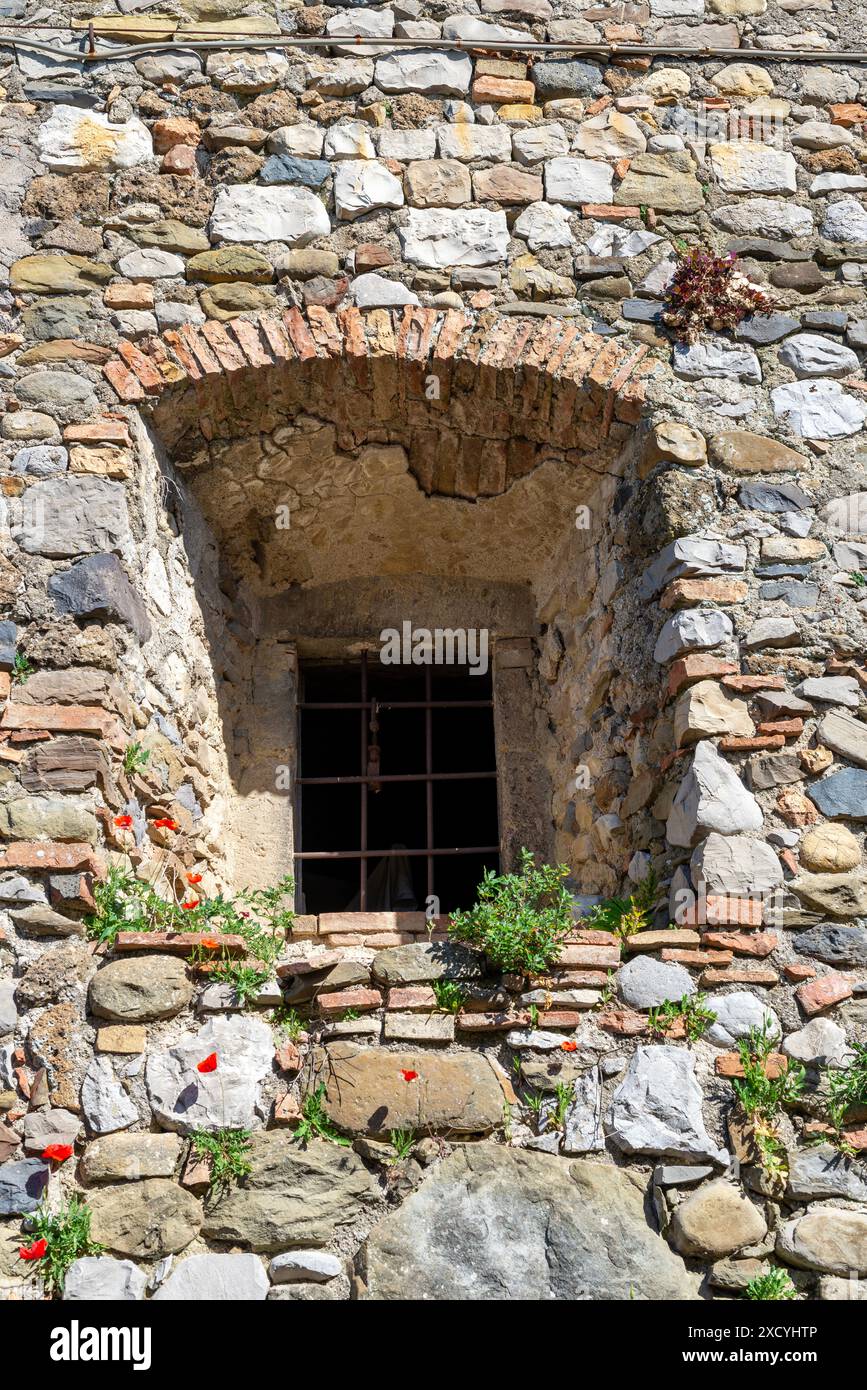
<point>413,296</point>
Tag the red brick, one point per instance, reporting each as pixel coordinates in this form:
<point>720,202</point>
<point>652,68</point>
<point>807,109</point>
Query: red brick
<point>491,1022</point>
<point>595,957</point>
<point>51,857</point>
<point>741,975</point>
<point>287,1057</point>
<point>696,959</point>
<point>105,431</point>
<point>581,979</point>
<point>64,719</point>
<point>417,998</point>
<point>559,1018</point>
<point>729,1064</point>
<point>823,993</point>
<point>363,1000</point>
<point>696,667</point>
<point>625,1022</point>
<point>126,384</point>
<point>308,965</point>
<point>179,943</point>
<point>609,212</point>
<point>723,910</point>
<point>589,936</point>
<point>734,744</point>
<point>496,90</point>
<point>789,728</point>
<point>758,944</point>
<point>799,970</point>
<point>847,113</point>
<point>745,684</point>
<point>362,923</point>
<point>142,366</point>
<point>686,592</point>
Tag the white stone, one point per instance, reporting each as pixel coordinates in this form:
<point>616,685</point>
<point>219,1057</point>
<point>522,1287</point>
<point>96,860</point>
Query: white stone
<point>820,1041</point>
<point>340,77</point>
<point>692,629</point>
<point>836,690</point>
<point>746,166</point>
<point>821,135</point>
<point>361,185</point>
<point>247,73</point>
<point>467,142</point>
<point>736,1015</point>
<point>734,864</point>
<point>539,142</point>
<point>711,797</point>
<point>544,225</point>
<point>291,215</point>
<point>441,237</point>
<point>845,220</point>
<point>818,409</point>
<point>582,1124</point>
<point>216,1279</point>
<point>360,23</point>
<point>472,30</point>
<point>676,9</point>
<point>611,240</point>
<point>706,710</point>
<point>184,1099</point>
<point>426,71</point>
<point>610,135</point>
<point>689,557</point>
<point>99,1278</point>
<point>304,141</point>
<point>406,144</point>
<point>656,1109</point>
<point>372,291</point>
<point>72,139</point>
<point>667,82</point>
<point>659,277</point>
<point>351,140</point>
<point>313,1266</point>
<point>835,183</point>
<point>578,181</point>
<point>105,1103</point>
<point>151,264</point>
<point>716,357</point>
<point>809,354</point>
<point>645,982</point>
<point>768,217</point>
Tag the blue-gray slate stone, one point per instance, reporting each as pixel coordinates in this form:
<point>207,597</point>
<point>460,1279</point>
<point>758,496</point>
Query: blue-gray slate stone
<point>22,1185</point>
<point>794,592</point>
<point>285,168</point>
<point>842,795</point>
<point>97,587</point>
<point>554,78</point>
<point>846,946</point>
<point>8,644</point>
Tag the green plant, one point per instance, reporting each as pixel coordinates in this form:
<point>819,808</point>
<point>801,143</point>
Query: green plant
<point>227,1152</point>
<point>21,668</point>
<point>290,1021</point>
<point>708,292</point>
<point>847,1086</point>
<point>858,578</point>
<point>350,1015</point>
<point>314,1121</point>
<point>564,1095</point>
<point>520,920</point>
<point>608,990</point>
<point>762,1097</point>
<point>66,1233</point>
<point>257,915</point>
<point>449,996</point>
<point>402,1141</point>
<point>691,1008</point>
<point>135,758</point>
<point>771,1287</point>
<point>623,917</point>
<point>533,1011</point>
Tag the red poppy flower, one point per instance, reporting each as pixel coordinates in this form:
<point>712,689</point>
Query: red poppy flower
<point>194,878</point>
<point>34,1251</point>
<point>190,904</point>
<point>124,822</point>
<point>209,1064</point>
<point>165,823</point>
<point>210,944</point>
<point>569,1045</point>
<point>409,1075</point>
<point>243,914</point>
<point>59,1152</point>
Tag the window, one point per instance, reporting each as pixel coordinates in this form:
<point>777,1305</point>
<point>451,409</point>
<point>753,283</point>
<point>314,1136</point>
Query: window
<point>397,789</point>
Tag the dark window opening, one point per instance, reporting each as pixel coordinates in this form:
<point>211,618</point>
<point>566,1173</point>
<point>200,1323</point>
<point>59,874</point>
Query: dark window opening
<point>397,789</point>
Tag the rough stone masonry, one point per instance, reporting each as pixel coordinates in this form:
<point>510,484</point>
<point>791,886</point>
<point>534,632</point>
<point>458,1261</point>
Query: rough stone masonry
<point>413,292</point>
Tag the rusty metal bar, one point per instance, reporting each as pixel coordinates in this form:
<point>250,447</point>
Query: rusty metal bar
<point>395,704</point>
<point>428,763</point>
<point>395,777</point>
<point>394,853</point>
<point>362,868</point>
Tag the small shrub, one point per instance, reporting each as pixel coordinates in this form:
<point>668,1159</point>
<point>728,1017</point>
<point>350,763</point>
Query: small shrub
<point>762,1097</point>
<point>135,758</point>
<point>227,1152</point>
<point>520,920</point>
<point>21,668</point>
<point>623,917</point>
<point>709,294</point>
<point>449,996</point>
<point>66,1233</point>
<point>290,1021</point>
<point>402,1141</point>
<point>847,1086</point>
<point>314,1123</point>
<point>691,1008</point>
<point>772,1287</point>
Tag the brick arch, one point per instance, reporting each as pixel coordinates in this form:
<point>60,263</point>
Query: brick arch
<point>480,399</point>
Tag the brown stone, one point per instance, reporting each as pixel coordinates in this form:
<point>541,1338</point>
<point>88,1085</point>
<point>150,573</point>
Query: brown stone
<point>506,184</point>
<point>695,667</point>
<point>126,1038</point>
<point>759,944</point>
<point>729,1064</point>
<point>823,993</point>
<point>745,452</point>
<point>688,593</point>
<point>437,183</point>
<point>340,1001</point>
<point>494,90</point>
<point>125,295</point>
<point>367,1091</point>
<point>175,130</point>
<point>740,975</point>
<point>53,1040</point>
